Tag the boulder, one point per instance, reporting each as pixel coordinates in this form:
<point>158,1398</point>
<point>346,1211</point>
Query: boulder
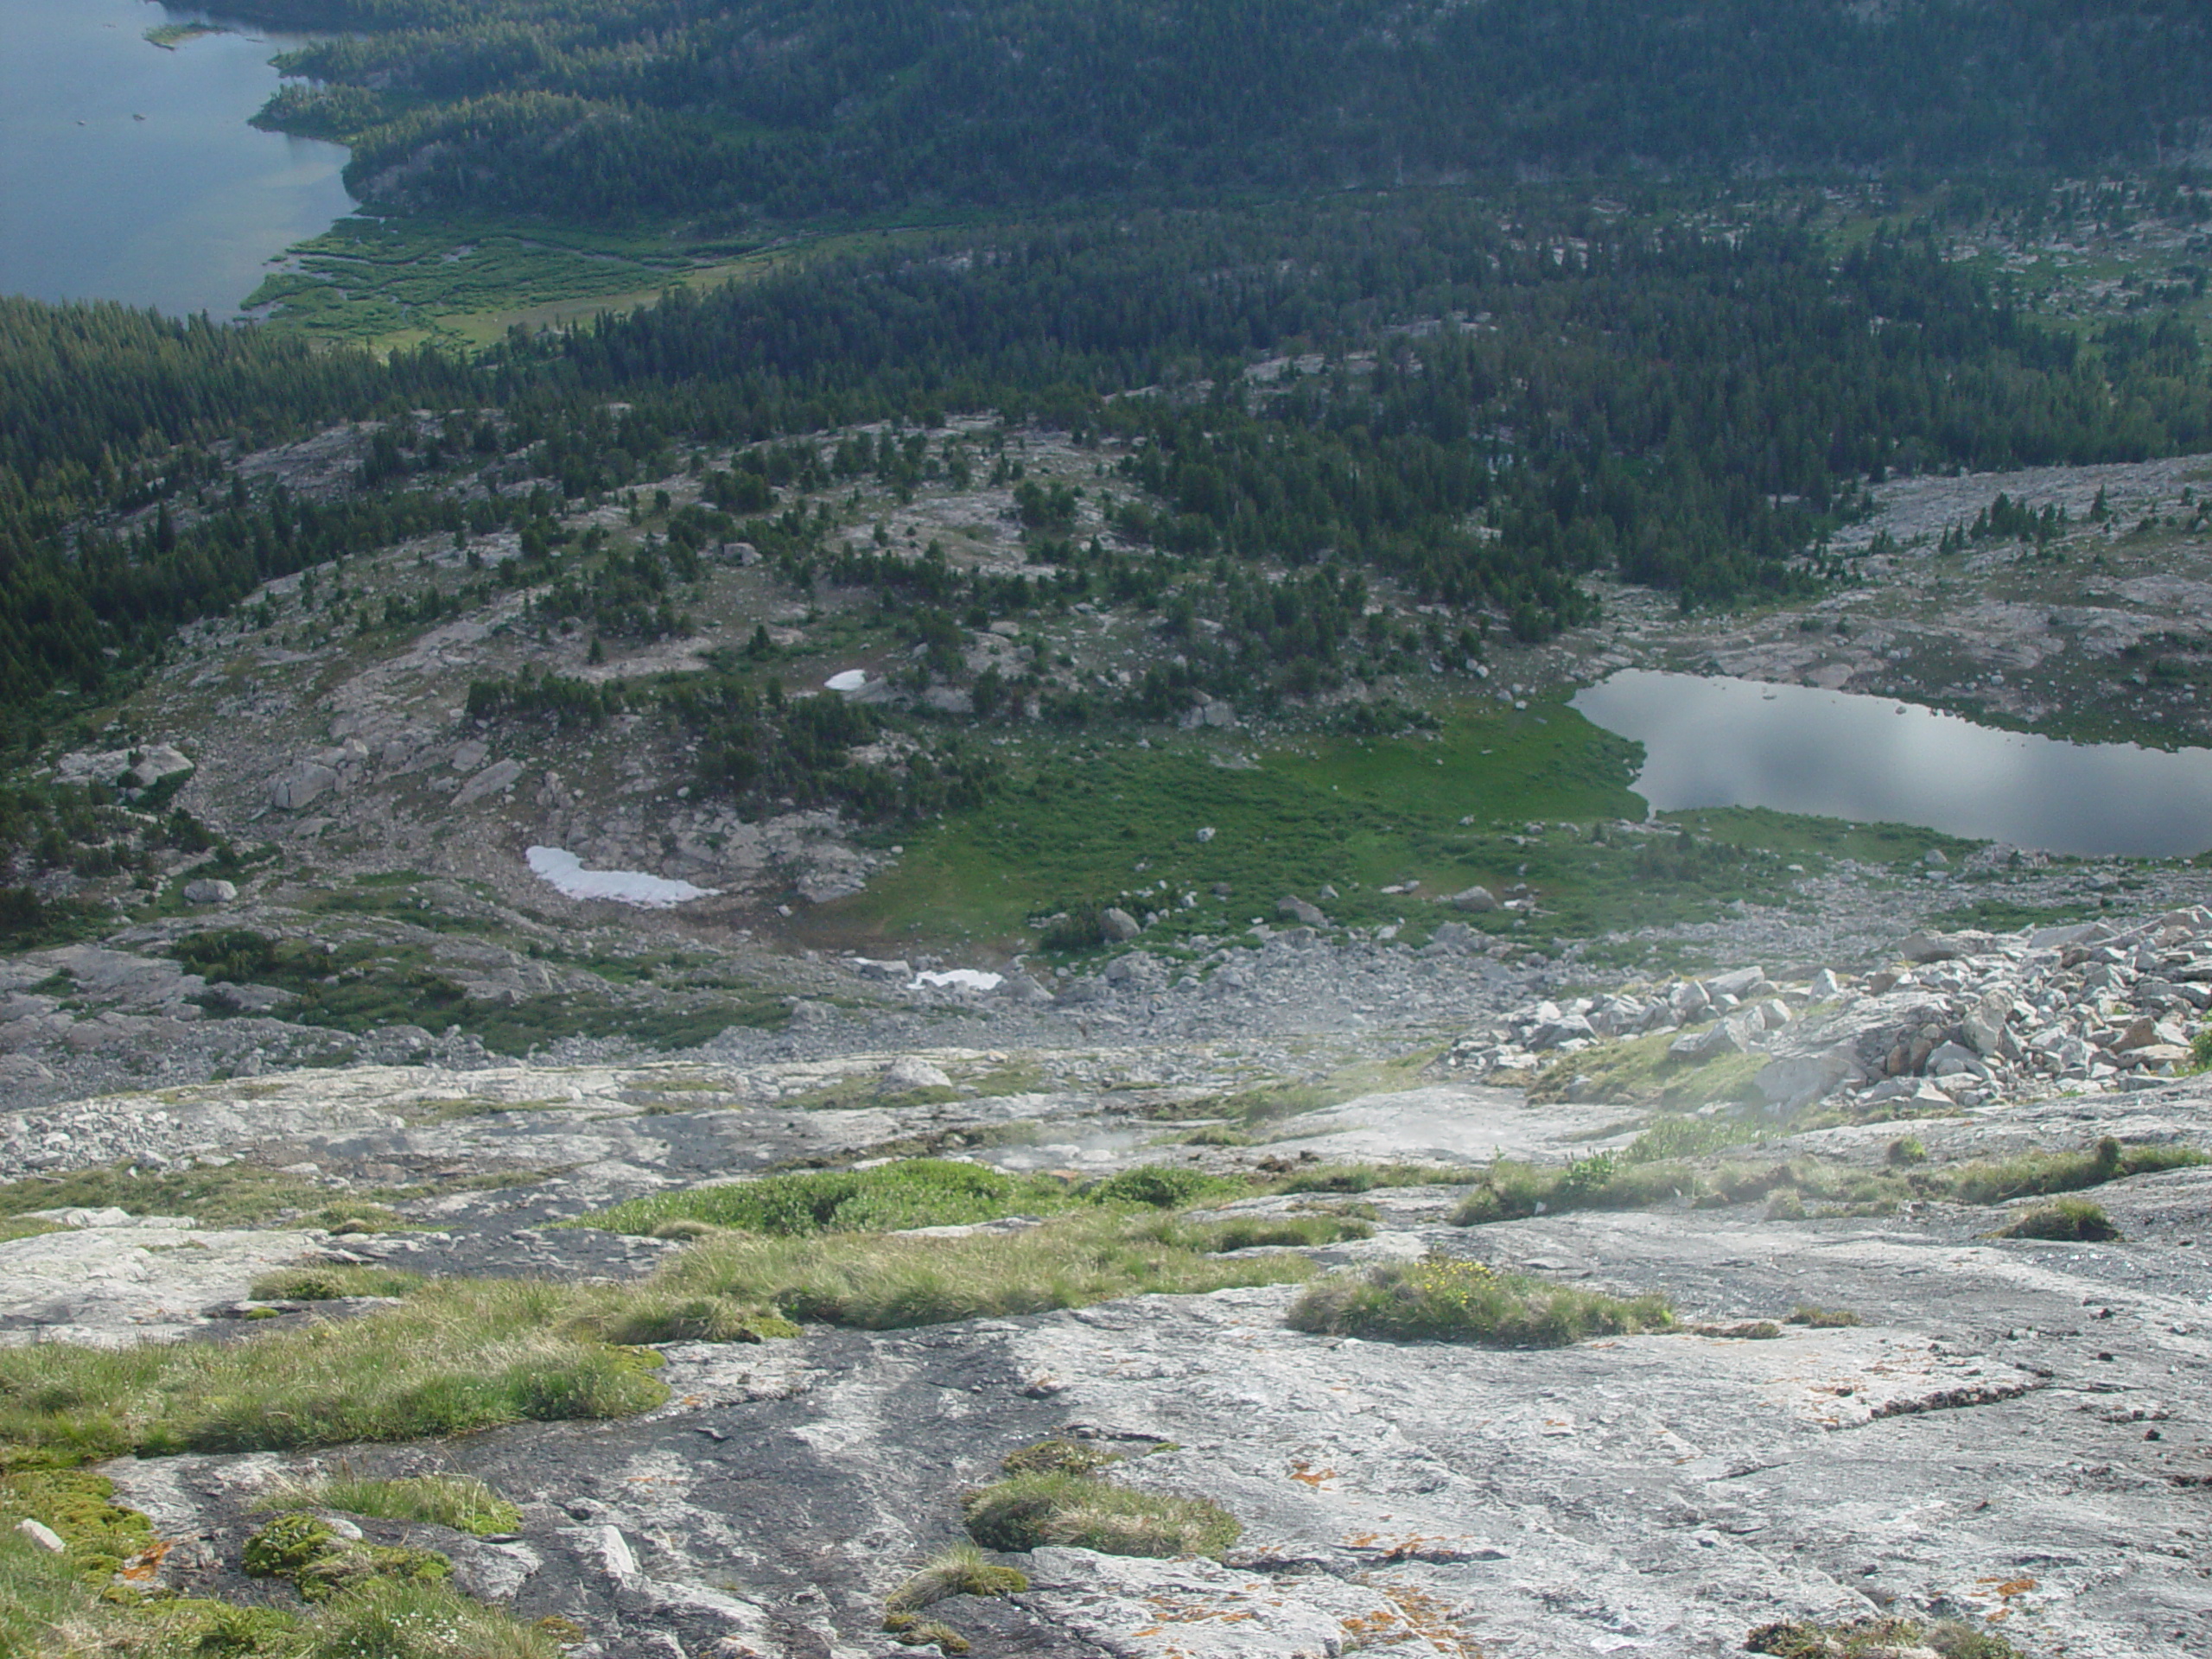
<point>501,774</point>
<point>1553,1032</point>
<point>1984,1027</point>
<point>209,892</point>
<point>1792,1084</point>
<point>1687,1002</point>
<point>1305,914</point>
<point>1924,947</point>
<point>1117,926</point>
<point>1475,899</point>
<point>299,785</point>
<point>1739,984</point>
<point>905,1074</point>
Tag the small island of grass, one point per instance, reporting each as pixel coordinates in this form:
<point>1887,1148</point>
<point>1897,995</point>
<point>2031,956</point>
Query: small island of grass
<point>169,36</point>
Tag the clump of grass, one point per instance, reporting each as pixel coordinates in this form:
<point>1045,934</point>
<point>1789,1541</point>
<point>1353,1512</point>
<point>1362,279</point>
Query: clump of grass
<point>1366,1177</point>
<point>235,1195</point>
<point>1825,1318</point>
<point>1675,1138</point>
<point>1277,1232</point>
<point>962,1570</point>
<point>1163,1186</point>
<point>1874,1638</point>
<point>917,1192</point>
<point>1057,1456</point>
<point>461,1501</point>
<point>460,1354</point>
<point>1508,1191</point>
<point>654,1313</point>
<point>1906,1152</point>
<point>329,1282</point>
<point>1212,1135</point>
<point>396,1619</point>
<point>1444,1300</point>
<point>2032,1174</point>
<point>909,1630</point>
<point>1027,1511</point>
<point>1640,1071</point>
<point>880,1283</point>
<point>2077,1221</point>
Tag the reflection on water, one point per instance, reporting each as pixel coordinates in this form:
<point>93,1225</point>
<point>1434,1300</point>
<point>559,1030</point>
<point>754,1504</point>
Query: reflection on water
<point>1723,742</point>
<point>128,173</point>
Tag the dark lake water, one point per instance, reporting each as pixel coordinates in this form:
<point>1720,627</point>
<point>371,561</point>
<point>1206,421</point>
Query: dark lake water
<point>1723,742</point>
<point>180,209</point>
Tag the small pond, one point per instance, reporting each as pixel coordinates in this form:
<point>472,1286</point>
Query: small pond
<point>1725,742</point>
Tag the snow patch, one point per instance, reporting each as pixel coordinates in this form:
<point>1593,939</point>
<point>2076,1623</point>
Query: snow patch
<point>565,872</point>
<point>851,680</point>
<point>966,979</point>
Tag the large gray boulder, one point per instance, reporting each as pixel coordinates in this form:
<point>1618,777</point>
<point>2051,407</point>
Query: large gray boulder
<point>1306,915</point>
<point>1118,926</point>
<point>1473,899</point>
<point>299,785</point>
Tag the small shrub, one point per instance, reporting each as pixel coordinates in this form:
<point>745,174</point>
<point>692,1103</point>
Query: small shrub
<point>1442,1300</point>
<point>1785,1206</point>
<point>1027,1511</point>
<point>2069,1220</point>
<point>962,1570</point>
<point>1907,1151</point>
<point>1825,1318</point>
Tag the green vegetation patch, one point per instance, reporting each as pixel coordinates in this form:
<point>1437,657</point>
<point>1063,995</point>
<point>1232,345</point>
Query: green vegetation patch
<point>1638,1071</point>
<point>917,1192</point>
<point>1446,1299</point>
<point>102,1537</point>
<point>461,1501</point>
<point>879,1282</point>
<point>1510,1191</point>
<point>307,1553</point>
<point>360,986</point>
<point>1086,825</point>
<point>329,1281</point>
<point>460,1354</point>
<point>235,1195</point>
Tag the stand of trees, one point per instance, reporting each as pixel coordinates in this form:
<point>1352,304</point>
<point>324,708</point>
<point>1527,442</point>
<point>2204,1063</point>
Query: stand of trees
<point>606,109</point>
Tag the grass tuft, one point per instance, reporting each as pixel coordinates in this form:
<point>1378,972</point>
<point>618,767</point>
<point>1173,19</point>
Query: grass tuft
<point>1027,1511</point>
<point>1444,1300</point>
<point>1825,1318</point>
<point>962,1570</point>
<point>2073,1221</point>
<point>461,1501</point>
<point>330,1282</point>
